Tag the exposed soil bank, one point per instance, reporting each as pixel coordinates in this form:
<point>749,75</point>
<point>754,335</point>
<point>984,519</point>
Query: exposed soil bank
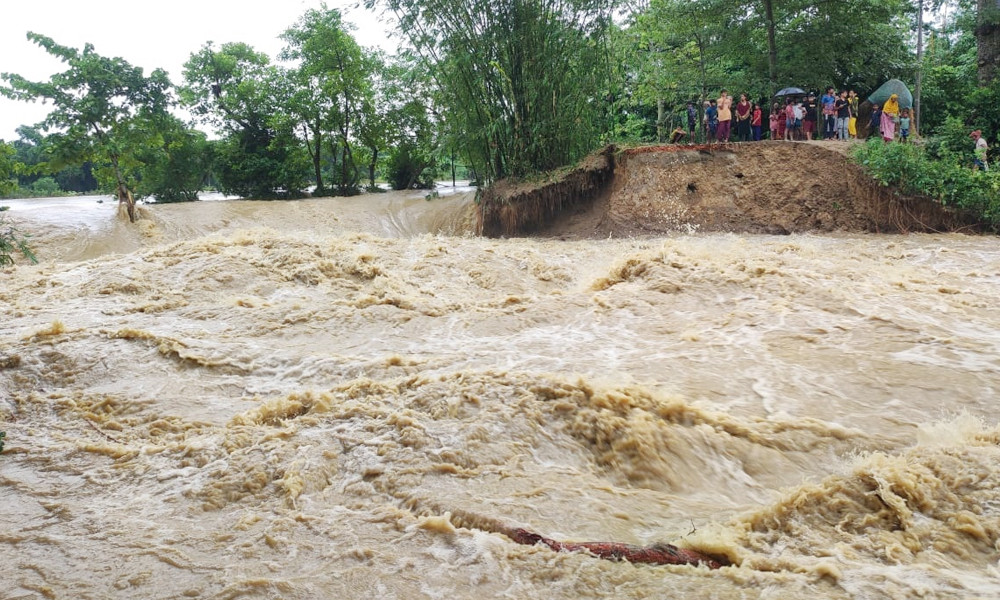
<point>765,187</point>
<point>508,209</point>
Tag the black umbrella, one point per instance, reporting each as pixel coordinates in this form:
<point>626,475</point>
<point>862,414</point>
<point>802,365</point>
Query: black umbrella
<point>792,91</point>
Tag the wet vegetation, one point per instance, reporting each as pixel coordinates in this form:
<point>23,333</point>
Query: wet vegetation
<point>940,173</point>
<point>12,242</point>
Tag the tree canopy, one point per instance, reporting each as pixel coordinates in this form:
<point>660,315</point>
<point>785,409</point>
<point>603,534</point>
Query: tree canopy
<point>526,81</point>
<point>105,111</point>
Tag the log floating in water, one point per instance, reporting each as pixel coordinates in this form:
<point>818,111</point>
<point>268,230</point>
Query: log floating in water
<point>657,554</point>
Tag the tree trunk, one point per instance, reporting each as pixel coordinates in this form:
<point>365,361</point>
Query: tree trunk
<point>371,168</point>
<point>661,118</point>
<point>317,159</point>
<point>124,195</point>
<point>988,39</point>
<point>920,67</point>
<point>772,48</point>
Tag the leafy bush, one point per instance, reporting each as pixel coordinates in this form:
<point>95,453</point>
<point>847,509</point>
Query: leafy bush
<point>11,242</point>
<point>176,170</point>
<point>948,179</point>
<point>410,168</point>
<point>45,187</point>
<point>951,142</point>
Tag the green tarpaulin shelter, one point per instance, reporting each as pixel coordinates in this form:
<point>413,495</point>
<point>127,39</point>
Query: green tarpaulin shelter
<point>893,86</point>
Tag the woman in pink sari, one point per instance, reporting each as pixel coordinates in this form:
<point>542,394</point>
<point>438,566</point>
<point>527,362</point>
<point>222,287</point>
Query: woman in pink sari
<point>890,113</point>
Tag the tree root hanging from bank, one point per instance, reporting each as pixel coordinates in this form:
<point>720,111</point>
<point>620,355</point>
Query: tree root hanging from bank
<point>657,554</point>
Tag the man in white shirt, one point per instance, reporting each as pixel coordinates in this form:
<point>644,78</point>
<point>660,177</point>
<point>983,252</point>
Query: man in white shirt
<point>980,152</point>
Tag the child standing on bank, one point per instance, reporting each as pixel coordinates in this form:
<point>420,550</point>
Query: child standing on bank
<point>904,124</point>
<point>712,118</point>
<point>775,119</point>
<point>876,121</point>
<point>755,123</point>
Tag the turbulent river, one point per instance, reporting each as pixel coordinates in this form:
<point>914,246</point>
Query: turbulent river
<point>351,398</point>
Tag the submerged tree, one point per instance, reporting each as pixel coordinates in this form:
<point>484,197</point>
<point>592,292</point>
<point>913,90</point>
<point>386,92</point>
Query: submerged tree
<point>526,80</point>
<point>104,110</point>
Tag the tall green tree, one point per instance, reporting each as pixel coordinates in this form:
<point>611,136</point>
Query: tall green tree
<point>334,77</point>
<point>769,44</point>
<point>413,121</point>
<point>237,90</point>
<point>526,80</point>
<point>102,111</point>
<point>678,56</point>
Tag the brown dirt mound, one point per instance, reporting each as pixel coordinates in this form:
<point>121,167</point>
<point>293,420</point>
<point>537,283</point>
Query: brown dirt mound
<point>764,187</point>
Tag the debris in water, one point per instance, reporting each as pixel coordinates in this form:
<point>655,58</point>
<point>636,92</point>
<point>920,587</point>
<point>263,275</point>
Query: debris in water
<point>657,554</point>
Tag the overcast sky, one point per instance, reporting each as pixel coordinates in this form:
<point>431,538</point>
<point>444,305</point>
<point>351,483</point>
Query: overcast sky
<point>160,33</point>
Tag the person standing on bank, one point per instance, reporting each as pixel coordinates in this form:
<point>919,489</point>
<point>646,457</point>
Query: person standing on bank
<point>692,115</point>
<point>789,121</point>
<point>979,162</point>
<point>890,112</point>
<point>800,114</point>
<point>829,114</point>
<point>712,121</point>
<point>704,120</point>
<point>854,103</point>
<point>743,113</point>
<point>776,122</point>
<point>876,122</point>
<point>843,115</point>
<point>724,104</point>
<point>756,116</point>
<point>809,121</point>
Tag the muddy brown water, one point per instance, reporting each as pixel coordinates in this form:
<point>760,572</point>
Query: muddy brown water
<point>349,397</point>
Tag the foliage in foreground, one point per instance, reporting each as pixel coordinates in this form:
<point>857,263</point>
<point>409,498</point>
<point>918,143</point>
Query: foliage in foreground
<point>13,241</point>
<point>946,177</point>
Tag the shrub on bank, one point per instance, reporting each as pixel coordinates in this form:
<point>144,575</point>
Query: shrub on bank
<point>12,241</point>
<point>910,169</point>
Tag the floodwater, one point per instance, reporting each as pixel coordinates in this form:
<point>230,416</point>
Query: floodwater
<point>350,398</point>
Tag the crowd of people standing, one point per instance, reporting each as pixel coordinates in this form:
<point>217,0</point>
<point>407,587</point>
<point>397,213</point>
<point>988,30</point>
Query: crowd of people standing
<point>802,117</point>
<point>833,117</point>
<point>723,121</point>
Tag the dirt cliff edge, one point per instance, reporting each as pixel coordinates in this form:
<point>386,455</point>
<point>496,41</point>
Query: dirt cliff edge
<point>764,187</point>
